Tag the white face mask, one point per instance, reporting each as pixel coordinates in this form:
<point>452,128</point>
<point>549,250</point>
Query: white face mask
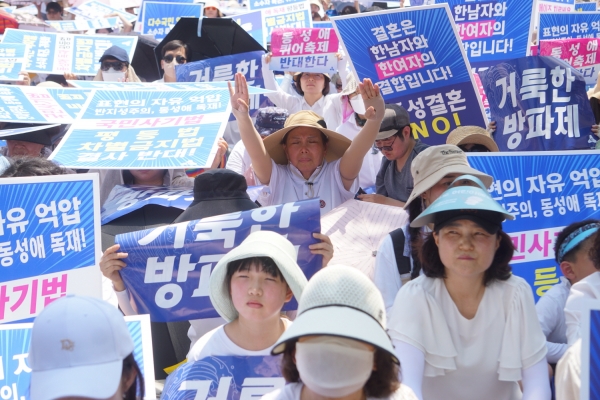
<point>332,366</point>
<point>358,104</point>
<point>113,76</point>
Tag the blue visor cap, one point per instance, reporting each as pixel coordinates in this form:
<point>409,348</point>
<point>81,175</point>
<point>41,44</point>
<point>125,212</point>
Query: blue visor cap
<point>473,202</point>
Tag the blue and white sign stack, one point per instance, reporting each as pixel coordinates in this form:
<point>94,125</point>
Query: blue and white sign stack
<point>13,58</point>
<point>158,18</point>
<point>282,14</point>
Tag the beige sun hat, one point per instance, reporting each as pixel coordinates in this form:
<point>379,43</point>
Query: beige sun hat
<point>257,244</point>
<point>336,145</point>
<point>435,162</point>
<point>472,135</point>
<point>340,301</point>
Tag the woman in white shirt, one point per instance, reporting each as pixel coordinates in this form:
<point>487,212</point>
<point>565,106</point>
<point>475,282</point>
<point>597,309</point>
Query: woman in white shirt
<point>467,329</point>
<point>304,160</point>
<point>337,347</point>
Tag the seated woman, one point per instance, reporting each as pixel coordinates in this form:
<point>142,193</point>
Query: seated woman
<point>467,329</point>
<point>337,348</point>
<point>304,159</point>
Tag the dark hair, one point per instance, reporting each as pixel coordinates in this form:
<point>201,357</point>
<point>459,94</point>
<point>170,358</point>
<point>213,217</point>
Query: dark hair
<point>348,10</point>
<point>298,87</point>
<point>433,267</point>
<point>415,208</point>
<point>323,136</point>
<point>571,254</point>
<point>316,16</point>
<point>131,366</point>
<point>174,45</point>
<point>53,5</point>
<point>267,265</point>
<point>595,252</point>
<point>60,79</point>
<point>129,179</point>
<point>382,383</point>
<point>32,166</point>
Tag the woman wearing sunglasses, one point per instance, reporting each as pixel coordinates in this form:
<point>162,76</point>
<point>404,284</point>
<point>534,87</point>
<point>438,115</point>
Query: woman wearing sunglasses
<point>212,10</point>
<point>115,67</point>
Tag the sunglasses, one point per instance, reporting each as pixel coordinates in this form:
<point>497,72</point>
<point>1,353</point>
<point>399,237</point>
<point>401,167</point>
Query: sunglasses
<point>169,59</point>
<point>116,65</point>
<point>476,148</point>
<point>388,147</point>
<point>210,8</point>
<point>338,86</point>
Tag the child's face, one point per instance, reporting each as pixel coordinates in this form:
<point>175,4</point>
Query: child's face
<point>257,295</point>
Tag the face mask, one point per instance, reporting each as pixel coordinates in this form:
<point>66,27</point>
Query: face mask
<point>358,105</point>
<point>332,366</point>
<point>113,76</point>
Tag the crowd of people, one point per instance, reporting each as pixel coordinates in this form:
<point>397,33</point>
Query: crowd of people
<point>444,316</point>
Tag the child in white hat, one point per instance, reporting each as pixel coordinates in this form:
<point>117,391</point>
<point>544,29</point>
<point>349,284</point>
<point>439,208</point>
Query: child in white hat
<point>248,288</point>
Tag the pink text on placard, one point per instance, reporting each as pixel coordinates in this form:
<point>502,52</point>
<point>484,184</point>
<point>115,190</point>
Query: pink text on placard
<point>399,65</point>
<point>303,41</point>
<point>577,52</point>
<point>476,29</point>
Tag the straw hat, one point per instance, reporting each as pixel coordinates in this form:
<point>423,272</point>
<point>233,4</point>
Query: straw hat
<point>472,135</point>
<point>336,145</point>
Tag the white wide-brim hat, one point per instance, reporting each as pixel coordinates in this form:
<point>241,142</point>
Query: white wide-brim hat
<point>257,244</point>
<point>340,301</point>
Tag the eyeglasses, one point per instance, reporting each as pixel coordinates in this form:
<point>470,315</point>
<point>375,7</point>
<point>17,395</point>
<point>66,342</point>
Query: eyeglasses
<point>169,59</point>
<point>474,148</point>
<point>116,65</point>
<point>210,8</point>
<point>388,147</point>
<point>315,77</point>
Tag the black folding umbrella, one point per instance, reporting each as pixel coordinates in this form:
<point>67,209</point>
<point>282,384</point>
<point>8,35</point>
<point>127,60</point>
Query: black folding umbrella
<point>143,61</point>
<point>219,37</point>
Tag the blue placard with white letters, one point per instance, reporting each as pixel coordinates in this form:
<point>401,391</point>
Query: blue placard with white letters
<point>585,6</point>
<point>538,103</point>
<point>57,53</point>
<point>252,23</point>
<point>96,9</point>
<point>13,57</point>
<point>416,58</point>
<point>168,268</point>
<point>15,367</point>
<point>49,241</point>
<point>160,17</point>
<point>544,191</point>
<point>233,378</point>
<point>84,25</point>
<point>571,25</point>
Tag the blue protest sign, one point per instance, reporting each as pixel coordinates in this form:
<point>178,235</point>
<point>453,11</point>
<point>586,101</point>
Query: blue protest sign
<point>538,103</point>
<point>585,6</point>
<point>13,58</point>
<point>590,349</point>
<point>493,31</point>
<point>556,5</point>
<point>96,9</point>
<point>262,4</point>
<point>544,191</point>
<point>292,14</point>
<point>57,53</point>
<point>161,86</point>
<point>49,242</point>
<point>158,18</point>
<point>573,25</point>
<point>233,378</point>
<point>15,370</point>
<point>168,268</point>
<point>84,25</point>
<point>223,69</point>
<point>252,23</point>
<point>322,24</point>
<point>416,58</point>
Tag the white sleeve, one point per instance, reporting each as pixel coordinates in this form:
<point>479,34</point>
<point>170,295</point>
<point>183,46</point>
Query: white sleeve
<point>573,310</point>
<point>126,303</point>
<point>386,276</point>
<point>568,374</point>
<point>286,86</point>
<point>548,310</point>
<point>536,382</point>
<point>235,161</point>
<point>555,351</point>
<point>412,366</point>
<point>278,97</point>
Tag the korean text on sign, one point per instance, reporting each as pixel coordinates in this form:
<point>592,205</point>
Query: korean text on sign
<point>304,49</point>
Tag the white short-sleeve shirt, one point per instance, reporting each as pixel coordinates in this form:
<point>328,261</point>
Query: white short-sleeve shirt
<point>470,359</point>
<point>585,289</point>
<point>292,391</point>
<point>550,311</point>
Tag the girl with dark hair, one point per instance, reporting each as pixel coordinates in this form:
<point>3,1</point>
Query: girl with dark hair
<point>467,328</point>
<point>433,170</point>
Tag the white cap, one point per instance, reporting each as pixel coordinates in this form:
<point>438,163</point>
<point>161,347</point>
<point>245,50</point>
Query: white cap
<point>78,345</point>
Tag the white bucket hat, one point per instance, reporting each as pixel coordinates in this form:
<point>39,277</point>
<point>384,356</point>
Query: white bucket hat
<point>78,345</point>
<point>257,244</point>
<point>340,301</point>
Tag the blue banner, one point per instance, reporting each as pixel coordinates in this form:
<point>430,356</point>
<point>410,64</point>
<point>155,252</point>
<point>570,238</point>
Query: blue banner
<point>225,378</point>
<point>416,58</point>
<point>544,192</point>
<point>322,24</point>
<point>223,69</point>
<point>491,30</point>
<point>262,4</point>
<point>252,23</point>
<point>168,268</point>
<point>160,17</point>
<point>292,14</point>
<point>49,242</point>
<point>96,9</point>
<point>15,368</point>
<point>13,58</point>
<point>574,25</point>
<point>57,53</point>
<point>585,6</point>
<point>538,103</point>
<point>593,389</point>
<point>84,25</point>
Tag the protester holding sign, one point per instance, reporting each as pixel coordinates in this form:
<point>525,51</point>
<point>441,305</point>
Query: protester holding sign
<point>304,160</point>
<point>468,329</point>
<point>248,288</point>
<point>433,170</point>
<point>338,346</point>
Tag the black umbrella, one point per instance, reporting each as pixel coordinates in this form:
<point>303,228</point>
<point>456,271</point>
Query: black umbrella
<point>219,37</point>
<point>149,216</point>
<point>143,61</point>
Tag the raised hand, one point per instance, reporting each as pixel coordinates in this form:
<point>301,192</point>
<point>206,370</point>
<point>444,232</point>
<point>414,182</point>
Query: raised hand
<point>239,98</point>
<point>374,104</point>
